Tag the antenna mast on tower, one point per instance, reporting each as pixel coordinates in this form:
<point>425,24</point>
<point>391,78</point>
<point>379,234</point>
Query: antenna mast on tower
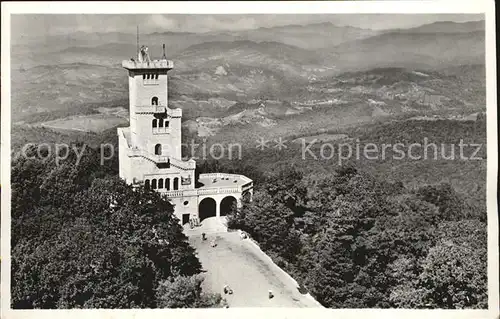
<point>137,40</point>
<point>164,57</point>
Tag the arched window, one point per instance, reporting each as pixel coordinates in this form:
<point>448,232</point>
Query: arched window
<point>144,76</point>
<point>158,149</point>
<point>146,184</point>
<point>155,122</point>
<point>160,183</point>
<point>167,183</point>
<point>154,100</point>
<point>157,76</point>
<point>166,123</point>
<point>176,183</point>
<point>160,123</point>
<point>153,184</point>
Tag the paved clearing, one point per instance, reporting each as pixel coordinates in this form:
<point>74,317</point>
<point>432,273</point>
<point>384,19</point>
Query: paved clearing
<point>240,264</point>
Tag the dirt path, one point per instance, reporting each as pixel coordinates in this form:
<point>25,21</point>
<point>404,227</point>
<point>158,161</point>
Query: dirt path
<point>248,271</point>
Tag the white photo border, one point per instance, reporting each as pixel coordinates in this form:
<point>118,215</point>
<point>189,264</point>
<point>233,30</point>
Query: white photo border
<point>272,7</point>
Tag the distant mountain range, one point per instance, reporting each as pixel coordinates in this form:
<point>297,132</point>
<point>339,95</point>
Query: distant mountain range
<point>286,63</point>
<point>449,27</point>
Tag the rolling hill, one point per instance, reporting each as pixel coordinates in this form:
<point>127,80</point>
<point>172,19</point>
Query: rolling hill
<point>311,37</point>
<point>449,27</point>
<point>304,68</point>
<point>63,87</point>
<point>412,50</point>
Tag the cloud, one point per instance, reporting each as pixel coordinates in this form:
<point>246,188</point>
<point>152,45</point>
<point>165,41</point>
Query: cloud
<point>43,25</point>
<point>162,21</point>
<point>201,23</point>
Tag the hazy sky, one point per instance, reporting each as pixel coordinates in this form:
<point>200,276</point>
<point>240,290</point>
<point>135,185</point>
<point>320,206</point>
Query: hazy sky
<point>40,25</point>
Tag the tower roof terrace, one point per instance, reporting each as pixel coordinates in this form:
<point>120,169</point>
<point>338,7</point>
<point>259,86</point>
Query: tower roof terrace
<point>154,64</point>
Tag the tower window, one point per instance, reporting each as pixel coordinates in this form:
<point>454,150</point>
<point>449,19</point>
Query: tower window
<point>144,76</point>
<point>166,123</point>
<point>160,123</point>
<point>155,122</point>
<point>146,184</point>
<point>160,183</point>
<point>154,100</point>
<point>167,183</point>
<point>156,76</point>
<point>153,184</point>
<point>158,149</point>
<point>176,183</point>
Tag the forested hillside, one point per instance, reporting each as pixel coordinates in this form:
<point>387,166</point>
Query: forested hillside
<point>82,238</point>
<point>354,241</point>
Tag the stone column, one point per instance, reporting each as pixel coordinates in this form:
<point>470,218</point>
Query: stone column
<point>217,207</point>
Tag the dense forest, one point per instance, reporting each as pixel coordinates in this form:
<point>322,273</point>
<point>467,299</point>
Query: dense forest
<point>82,238</point>
<point>354,241</point>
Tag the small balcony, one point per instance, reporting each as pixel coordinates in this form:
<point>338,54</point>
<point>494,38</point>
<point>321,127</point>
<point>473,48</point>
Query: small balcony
<point>159,108</point>
<point>161,130</point>
<point>151,109</point>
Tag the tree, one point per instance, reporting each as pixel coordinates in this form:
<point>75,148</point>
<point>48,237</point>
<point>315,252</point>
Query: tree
<point>91,243</point>
<point>269,222</point>
<point>355,241</point>
<point>455,277</point>
<point>452,274</point>
<point>450,204</point>
<point>185,292</point>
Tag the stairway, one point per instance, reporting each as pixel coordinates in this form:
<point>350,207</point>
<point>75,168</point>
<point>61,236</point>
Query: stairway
<point>209,225</point>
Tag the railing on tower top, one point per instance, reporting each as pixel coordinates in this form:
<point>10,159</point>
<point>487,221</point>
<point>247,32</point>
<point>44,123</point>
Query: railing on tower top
<point>155,64</point>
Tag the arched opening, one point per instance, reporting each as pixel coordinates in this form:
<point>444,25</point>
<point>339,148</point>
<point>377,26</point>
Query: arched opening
<point>227,205</point>
<point>166,123</point>
<point>146,184</point>
<point>160,183</point>
<point>206,208</point>
<point>167,183</point>
<point>158,149</point>
<point>160,123</point>
<point>154,100</point>
<point>155,123</point>
<point>153,184</point>
<point>176,183</point>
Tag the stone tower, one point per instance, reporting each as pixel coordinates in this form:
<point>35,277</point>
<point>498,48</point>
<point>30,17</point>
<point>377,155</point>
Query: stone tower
<point>150,149</point>
<point>151,121</point>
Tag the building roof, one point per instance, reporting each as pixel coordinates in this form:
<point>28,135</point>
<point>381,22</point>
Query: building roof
<point>216,180</point>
